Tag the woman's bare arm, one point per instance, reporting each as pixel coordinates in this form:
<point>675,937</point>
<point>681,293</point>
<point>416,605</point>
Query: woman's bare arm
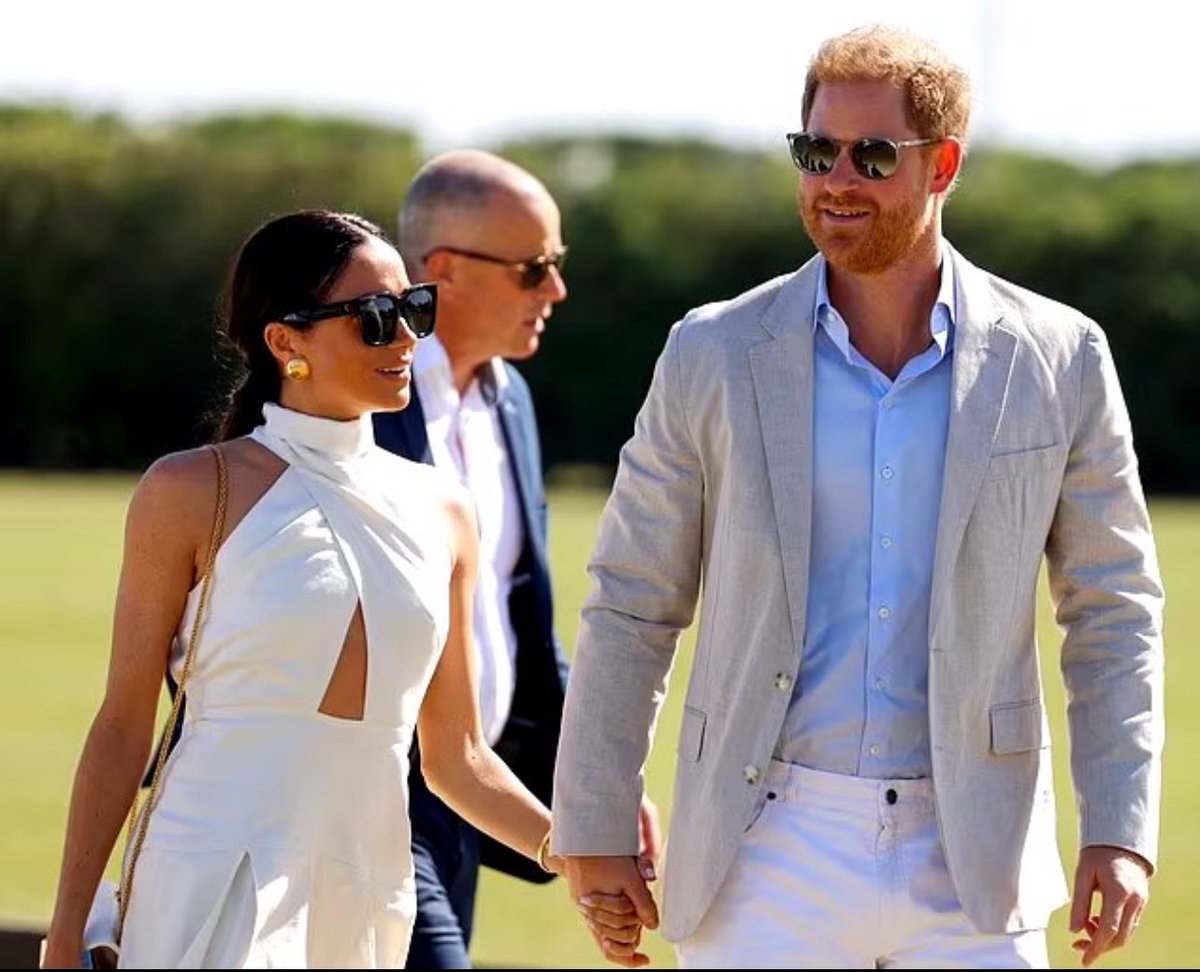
<point>166,534</point>
<point>457,762</point>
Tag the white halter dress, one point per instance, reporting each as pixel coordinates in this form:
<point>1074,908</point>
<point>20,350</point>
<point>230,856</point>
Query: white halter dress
<point>281,835</point>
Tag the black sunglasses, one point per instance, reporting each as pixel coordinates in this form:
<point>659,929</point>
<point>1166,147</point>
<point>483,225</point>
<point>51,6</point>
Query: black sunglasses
<point>379,315</point>
<point>533,271</point>
<point>874,158</point>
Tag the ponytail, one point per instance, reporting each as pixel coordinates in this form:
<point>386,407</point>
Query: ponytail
<point>260,383</point>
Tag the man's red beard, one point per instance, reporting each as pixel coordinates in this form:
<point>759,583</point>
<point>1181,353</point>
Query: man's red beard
<point>891,236</point>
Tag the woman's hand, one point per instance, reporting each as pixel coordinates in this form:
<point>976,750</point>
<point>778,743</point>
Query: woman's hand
<point>612,895</point>
<point>614,924</point>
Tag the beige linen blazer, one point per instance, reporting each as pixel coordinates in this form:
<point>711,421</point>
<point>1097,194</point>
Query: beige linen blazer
<point>715,487</point>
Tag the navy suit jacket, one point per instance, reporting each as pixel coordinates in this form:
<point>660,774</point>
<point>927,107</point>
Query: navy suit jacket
<point>529,741</point>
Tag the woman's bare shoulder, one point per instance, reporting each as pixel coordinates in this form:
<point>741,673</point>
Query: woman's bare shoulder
<point>459,511</point>
<point>427,483</point>
<point>180,478</point>
<point>177,495</point>
<point>191,474</point>
<point>172,507</point>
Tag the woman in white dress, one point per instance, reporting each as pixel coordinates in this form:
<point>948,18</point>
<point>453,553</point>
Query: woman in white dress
<point>338,624</point>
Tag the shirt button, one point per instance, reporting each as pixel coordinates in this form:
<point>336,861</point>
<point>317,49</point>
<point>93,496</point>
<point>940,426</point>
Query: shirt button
<point>750,773</point>
<point>783,681</point>
<point>884,613</point>
<point>874,750</point>
<point>885,542</point>
<point>880,683</point>
<point>887,472</point>
<point>888,403</point>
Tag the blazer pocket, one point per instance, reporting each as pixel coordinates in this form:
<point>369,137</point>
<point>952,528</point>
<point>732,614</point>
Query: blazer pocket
<point>1008,465</point>
<point>691,734</point>
<point>1018,727</point>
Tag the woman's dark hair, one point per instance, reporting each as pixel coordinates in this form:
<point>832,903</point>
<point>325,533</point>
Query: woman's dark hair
<point>288,264</point>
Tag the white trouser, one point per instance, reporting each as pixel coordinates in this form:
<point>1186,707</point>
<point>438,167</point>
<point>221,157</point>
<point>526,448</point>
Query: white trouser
<point>844,872</point>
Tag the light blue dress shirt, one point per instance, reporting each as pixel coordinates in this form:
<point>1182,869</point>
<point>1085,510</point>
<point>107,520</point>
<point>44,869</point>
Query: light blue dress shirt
<point>860,702</point>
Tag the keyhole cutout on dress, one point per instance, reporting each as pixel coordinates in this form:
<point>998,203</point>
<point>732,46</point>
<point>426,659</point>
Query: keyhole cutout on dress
<point>346,694</point>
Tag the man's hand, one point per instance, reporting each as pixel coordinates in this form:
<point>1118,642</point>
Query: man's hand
<point>1123,880</point>
<point>612,894</point>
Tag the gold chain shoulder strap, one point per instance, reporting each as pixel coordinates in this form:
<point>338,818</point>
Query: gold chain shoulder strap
<point>142,820</point>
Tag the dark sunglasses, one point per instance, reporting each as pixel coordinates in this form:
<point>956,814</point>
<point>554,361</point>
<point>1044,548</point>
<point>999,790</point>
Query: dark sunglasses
<point>533,271</point>
<point>379,315</point>
<point>873,158</point>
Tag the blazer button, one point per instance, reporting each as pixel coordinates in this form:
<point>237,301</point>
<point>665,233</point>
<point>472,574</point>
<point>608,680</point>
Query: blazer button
<point>750,773</point>
<point>783,681</point>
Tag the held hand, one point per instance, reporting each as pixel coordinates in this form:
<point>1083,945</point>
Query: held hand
<point>611,893</point>
<point>649,830</point>
<point>616,911</point>
<point>1122,879</point>
<point>645,864</point>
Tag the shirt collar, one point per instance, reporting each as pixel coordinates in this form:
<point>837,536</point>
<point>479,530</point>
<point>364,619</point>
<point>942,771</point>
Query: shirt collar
<point>941,319</point>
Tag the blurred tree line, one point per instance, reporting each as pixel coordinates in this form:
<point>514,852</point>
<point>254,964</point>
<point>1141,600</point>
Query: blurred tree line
<point>115,240</point>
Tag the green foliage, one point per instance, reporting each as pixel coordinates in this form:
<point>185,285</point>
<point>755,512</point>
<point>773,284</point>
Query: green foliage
<point>114,245</point>
<point>1122,246</point>
<point>655,229</point>
<point>115,239</point>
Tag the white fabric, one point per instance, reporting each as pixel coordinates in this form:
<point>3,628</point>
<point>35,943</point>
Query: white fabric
<point>100,929</point>
<point>465,437</point>
<point>281,836</point>
<point>833,875</point>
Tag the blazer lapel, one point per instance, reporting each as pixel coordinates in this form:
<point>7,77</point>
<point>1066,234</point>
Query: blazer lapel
<point>518,450</point>
<point>984,351</point>
<point>782,369</point>
<point>526,475</point>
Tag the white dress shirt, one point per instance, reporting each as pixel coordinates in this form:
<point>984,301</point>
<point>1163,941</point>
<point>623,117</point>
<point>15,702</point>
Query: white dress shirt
<point>465,436</point>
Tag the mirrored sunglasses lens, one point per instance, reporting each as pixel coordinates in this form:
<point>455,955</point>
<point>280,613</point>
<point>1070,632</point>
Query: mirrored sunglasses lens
<point>875,158</point>
<point>814,154</point>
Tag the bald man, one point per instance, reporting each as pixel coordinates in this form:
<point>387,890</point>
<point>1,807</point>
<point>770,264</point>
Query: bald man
<point>488,232</point>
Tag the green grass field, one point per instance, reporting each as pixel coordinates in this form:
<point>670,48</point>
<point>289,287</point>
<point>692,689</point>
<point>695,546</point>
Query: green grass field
<point>61,543</point>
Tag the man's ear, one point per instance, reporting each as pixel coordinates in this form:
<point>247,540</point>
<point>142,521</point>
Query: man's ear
<point>947,163</point>
<point>438,268</point>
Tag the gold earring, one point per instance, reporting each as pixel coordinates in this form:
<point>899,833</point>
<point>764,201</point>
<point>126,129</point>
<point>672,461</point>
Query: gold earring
<point>297,368</point>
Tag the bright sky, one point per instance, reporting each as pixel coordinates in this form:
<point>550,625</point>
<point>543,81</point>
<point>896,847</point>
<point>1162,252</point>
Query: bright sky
<point>1083,78</point>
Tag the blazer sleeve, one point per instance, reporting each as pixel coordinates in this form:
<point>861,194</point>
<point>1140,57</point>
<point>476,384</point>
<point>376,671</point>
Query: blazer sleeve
<point>1108,595</point>
<point>645,575</point>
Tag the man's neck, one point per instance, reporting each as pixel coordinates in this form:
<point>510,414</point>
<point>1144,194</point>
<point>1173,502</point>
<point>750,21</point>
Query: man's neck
<point>464,363</point>
<point>888,313</point>
<point>464,371</point>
